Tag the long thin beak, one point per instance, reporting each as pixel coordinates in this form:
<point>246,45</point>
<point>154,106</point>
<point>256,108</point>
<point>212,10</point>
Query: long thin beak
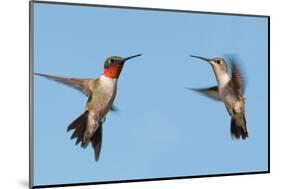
<point>199,57</point>
<point>130,57</point>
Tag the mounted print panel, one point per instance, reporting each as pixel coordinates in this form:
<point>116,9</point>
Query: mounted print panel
<point>123,94</point>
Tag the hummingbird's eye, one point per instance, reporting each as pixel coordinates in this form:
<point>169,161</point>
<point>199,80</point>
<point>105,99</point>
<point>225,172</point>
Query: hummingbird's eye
<point>112,61</point>
<point>217,61</point>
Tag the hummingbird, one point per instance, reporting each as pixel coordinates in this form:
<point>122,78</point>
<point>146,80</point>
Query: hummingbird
<point>230,90</point>
<point>101,93</point>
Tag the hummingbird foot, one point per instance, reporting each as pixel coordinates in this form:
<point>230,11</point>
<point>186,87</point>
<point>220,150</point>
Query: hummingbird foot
<point>103,120</point>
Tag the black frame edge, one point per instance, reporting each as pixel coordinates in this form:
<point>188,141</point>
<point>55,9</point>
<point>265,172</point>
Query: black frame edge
<point>150,179</point>
<point>268,30</point>
<point>147,8</point>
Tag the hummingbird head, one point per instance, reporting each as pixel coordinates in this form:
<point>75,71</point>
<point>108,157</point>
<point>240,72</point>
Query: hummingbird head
<point>218,64</point>
<point>220,68</point>
<point>114,64</point>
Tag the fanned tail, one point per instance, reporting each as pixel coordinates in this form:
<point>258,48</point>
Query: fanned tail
<point>79,126</point>
<point>85,135</point>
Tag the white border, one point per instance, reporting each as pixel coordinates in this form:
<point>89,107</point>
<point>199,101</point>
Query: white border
<point>14,69</point>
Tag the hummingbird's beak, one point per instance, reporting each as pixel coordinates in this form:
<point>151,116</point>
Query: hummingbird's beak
<point>199,57</point>
<point>130,57</point>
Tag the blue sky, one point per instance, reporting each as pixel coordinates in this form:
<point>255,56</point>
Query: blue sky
<point>162,129</point>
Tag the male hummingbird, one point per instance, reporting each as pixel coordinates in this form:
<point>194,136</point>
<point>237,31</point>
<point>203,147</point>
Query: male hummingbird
<point>101,93</point>
<point>229,90</point>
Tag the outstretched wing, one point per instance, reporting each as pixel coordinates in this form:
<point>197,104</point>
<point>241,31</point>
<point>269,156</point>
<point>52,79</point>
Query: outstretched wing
<point>83,85</point>
<point>211,92</point>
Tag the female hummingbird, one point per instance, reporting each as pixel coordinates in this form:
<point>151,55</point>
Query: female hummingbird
<point>101,93</point>
<point>229,90</point>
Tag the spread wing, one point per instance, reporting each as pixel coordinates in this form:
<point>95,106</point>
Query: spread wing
<point>211,92</point>
<point>83,85</point>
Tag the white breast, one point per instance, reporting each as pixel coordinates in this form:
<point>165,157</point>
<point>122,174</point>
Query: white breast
<point>108,84</point>
<point>223,79</point>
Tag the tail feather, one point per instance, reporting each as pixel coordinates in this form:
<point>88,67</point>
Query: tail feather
<point>86,135</point>
<point>79,125</point>
<point>238,127</point>
<point>97,142</point>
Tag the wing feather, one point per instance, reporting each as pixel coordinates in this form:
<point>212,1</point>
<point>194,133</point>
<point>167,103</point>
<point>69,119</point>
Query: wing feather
<point>83,85</point>
<point>237,79</point>
<point>211,92</point>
